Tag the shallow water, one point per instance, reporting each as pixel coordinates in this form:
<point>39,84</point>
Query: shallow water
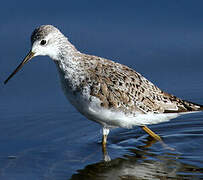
<point>59,144</point>
<point>43,137</point>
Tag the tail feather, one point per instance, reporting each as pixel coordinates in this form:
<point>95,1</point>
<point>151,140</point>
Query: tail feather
<point>199,106</point>
<point>190,106</point>
<point>185,106</point>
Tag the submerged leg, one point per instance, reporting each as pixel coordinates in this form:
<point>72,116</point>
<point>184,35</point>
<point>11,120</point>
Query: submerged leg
<point>104,138</point>
<point>156,137</point>
<point>151,133</point>
<point>104,141</point>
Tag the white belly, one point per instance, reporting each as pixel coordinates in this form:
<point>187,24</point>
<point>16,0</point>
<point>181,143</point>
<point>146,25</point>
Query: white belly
<point>90,107</point>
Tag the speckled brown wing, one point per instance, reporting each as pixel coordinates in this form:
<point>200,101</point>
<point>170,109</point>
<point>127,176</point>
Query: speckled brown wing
<point>182,105</point>
<point>122,88</point>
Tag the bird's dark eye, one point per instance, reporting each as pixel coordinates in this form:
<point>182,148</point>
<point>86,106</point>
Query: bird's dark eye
<point>43,42</point>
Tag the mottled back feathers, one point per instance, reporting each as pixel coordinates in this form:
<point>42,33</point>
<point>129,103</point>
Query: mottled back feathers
<point>117,86</point>
<point>121,88</point>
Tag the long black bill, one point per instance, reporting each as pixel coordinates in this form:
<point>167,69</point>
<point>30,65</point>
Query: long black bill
<point>26,59</point>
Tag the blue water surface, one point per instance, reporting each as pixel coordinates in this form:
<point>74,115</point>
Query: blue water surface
<point>43,137</point>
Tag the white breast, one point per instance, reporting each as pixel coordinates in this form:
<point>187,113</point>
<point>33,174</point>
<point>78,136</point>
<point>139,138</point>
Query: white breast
<point>90,107</point>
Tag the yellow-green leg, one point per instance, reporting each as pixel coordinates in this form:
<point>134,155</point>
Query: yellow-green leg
<point>104,138</point>
<point>151,133</point>
<point>156,137</point>
<point>104,141</point>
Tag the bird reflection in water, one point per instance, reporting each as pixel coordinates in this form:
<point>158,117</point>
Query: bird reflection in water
<point>150,141</point>
<point>139,163</point>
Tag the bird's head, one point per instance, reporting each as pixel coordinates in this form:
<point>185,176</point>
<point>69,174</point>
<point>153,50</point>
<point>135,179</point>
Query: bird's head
<point>45,40</point>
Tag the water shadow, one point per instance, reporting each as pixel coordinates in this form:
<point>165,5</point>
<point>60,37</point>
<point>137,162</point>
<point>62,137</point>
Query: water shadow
<point>140,163</point>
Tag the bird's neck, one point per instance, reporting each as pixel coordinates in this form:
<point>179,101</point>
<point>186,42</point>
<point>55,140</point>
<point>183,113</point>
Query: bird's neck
<point>68,64</point>
<point>63,50</point>
<point>68,57</point>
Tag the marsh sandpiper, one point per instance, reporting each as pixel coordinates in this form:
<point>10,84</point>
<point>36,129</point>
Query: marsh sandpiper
<point>104,91</point>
